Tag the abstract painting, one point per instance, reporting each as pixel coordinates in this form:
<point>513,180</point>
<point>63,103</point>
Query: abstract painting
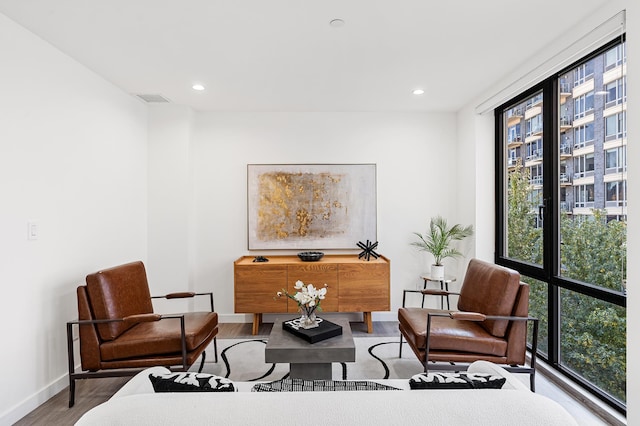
<point>311,206</point>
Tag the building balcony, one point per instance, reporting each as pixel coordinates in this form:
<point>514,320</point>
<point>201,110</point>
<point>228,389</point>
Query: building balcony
<point>584,146</point>
<point>536,181</point>
<point>514,116</point>
<point>536,101</point>
<point>565,179</point>
<point>580,175</point>
<point>534,157</point>
<point>565,150</point>
<point>565,123</point>
<point>536,131</point>
<point>514,142</point>
<point>565,92</point>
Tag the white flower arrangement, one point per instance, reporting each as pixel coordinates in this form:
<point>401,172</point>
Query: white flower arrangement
<point>307,296</point>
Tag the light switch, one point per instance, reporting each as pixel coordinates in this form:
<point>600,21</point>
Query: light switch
<point>32,230</point>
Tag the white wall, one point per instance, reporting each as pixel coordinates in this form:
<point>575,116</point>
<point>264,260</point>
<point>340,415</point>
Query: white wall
<point>170,190</point>
<point>476,201</point>
<point>633,243</point>
<point>72,158</point>
<point>414,182</point>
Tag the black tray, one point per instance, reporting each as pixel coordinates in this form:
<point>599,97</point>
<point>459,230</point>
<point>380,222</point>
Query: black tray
<point>323,331</point>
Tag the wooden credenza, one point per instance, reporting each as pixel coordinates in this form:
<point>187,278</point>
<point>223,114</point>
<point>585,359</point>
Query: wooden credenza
<point>354,285</point>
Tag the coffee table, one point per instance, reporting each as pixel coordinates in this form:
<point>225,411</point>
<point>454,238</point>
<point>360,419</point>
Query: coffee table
<point>309,361</point>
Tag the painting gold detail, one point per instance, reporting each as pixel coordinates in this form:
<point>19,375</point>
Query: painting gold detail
<point>300,204</point>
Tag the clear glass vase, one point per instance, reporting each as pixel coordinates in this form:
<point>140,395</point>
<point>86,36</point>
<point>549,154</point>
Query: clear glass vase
<point>308,318</point>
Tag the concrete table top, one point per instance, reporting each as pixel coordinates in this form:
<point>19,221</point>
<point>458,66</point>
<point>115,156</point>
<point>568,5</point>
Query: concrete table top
<point>309,361</point>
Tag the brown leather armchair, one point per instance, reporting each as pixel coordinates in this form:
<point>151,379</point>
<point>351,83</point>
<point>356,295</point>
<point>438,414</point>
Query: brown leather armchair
<point>490,324</point>
<point>120,334</point>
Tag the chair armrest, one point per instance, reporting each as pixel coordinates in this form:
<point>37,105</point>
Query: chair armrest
<point>186,294</point>
<point>436,292</point>
<point>179,295</point>
<point>135,319</point>
<point>467,316</point>
<point>128,319</point>
<point>476,316</point>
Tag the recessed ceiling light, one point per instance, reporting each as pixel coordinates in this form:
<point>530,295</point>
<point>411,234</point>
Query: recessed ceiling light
<point>418,91</point>
<point>198,87</point>
<point>336,23</point>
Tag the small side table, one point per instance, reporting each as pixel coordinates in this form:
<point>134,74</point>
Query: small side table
<point>444,285</point>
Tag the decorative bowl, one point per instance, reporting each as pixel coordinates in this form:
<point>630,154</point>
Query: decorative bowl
<point>310,256</point>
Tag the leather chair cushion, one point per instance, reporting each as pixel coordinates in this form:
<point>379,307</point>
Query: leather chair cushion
<point>491,290</point>
<point>160,337</point>
<point>448,334</point>
<point>116,293</point>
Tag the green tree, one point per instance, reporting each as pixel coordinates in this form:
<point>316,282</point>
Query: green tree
<point>593,332</point>
<point>524,242</point>
<point>593,251</point>
<point>524,239</point>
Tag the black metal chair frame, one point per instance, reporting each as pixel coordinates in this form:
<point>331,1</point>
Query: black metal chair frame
<point>440,366</point>
<point>124,372</point>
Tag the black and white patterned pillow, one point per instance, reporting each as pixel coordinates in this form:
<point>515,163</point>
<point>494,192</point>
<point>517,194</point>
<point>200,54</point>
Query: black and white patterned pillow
<point>190,382</point>
<point>300,385</point>
<point>456,381</point>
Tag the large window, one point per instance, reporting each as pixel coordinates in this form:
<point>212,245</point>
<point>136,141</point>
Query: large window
<point>534,125</point>
<point>616,126</point>
<point>583,73</point>
<point>583,135</point>
<point>584,196</point>
<point>566,233</point>
<point>616,193</point>
<point>616,161</point>
<point>616,92</point>
<point>583,105</point>
<point>583,165</point>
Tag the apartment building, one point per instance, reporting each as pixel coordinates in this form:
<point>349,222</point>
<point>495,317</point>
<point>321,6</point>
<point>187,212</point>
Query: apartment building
<point>592,144</point>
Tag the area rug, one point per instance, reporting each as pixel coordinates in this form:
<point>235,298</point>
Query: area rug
<point>376,358</point>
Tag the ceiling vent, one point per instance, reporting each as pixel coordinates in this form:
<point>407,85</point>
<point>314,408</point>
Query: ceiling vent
<point>153,99</point>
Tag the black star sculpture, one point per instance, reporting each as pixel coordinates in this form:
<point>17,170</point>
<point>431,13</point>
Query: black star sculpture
<point>368,250</point>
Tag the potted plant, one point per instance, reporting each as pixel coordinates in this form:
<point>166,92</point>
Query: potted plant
<point>437,241</point>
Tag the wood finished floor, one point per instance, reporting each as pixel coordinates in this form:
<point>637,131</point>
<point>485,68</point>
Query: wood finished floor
<point>90,393</point>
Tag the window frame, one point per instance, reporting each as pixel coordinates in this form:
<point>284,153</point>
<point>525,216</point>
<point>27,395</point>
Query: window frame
<point>550,270</point>
<point>582,137</point>
<point>620,126</point>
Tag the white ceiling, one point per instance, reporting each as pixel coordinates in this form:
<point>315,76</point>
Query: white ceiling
<point>282,55</point>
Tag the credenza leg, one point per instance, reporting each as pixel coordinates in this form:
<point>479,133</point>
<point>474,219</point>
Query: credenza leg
<point>366,318</point>
<point>257,320</point>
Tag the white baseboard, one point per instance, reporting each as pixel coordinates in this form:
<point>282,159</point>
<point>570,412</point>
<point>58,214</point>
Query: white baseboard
<point>29,404</point>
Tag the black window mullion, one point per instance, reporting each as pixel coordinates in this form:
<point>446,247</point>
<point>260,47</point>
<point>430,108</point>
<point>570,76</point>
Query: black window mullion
<point>499,186</point>
<point>551,164</point>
